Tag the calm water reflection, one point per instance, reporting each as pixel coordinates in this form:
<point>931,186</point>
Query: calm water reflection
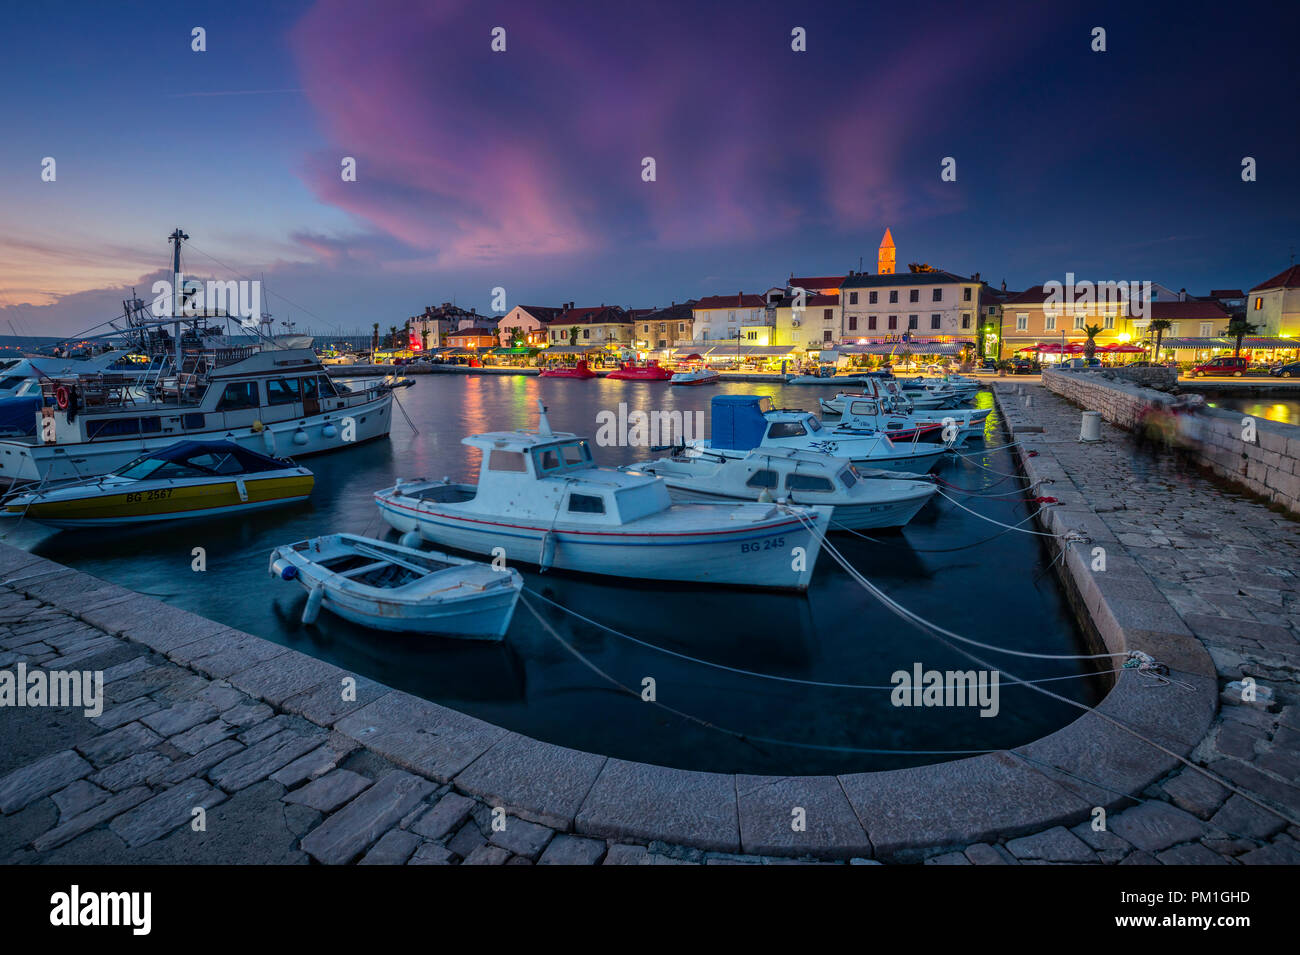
<point>533,683</point>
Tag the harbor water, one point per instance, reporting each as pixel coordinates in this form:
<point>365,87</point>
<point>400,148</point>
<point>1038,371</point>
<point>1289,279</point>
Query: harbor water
<point>566,681</point>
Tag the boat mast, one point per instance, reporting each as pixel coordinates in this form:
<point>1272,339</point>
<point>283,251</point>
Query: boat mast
<point>176,238</point>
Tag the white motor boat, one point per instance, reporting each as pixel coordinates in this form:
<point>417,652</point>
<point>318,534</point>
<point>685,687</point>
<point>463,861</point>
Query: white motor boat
<point>877,408</point>
<point>825,376</point>
<point>796,477</point>
<point>741,423</point>
<point>695,376</point>
<point>541,500</point>
<point>390,587</point>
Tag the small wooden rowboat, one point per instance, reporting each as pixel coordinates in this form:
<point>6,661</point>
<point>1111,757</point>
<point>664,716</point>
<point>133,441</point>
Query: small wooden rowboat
<point>186,480</point>
<point>389,587</point>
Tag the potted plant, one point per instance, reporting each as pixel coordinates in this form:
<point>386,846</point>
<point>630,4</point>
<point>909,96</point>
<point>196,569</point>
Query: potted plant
<point>1003,367</point>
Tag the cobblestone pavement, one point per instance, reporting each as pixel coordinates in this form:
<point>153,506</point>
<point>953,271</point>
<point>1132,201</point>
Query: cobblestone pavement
<point>275,787</point>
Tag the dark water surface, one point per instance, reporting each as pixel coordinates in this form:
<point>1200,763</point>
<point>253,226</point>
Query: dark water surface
<point>996,592</point>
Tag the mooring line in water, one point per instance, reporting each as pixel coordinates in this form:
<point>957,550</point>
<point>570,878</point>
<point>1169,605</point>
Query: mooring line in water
<point>744,737</point>
<point>939,633</point>
<point>935,550</point>
<point>1011,527</point>
<point>769,676</point>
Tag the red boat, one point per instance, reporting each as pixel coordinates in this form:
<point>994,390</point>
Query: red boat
<point>647,372</point>
<point>580,370</point>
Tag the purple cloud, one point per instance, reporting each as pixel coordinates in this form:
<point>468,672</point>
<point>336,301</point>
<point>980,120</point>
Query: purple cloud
<point>475,157</point>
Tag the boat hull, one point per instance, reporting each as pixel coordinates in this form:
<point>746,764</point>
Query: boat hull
<point>162,501</point>
<point>854,517</point>
<point>480,616</point>
<point>755,554</point>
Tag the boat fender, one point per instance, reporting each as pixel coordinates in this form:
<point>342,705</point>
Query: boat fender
<point>764,496</point>
<point>257,427</point>
<point>329,431</point>
<point>242,489</point>
<point>300,437</point>
<point>289,573</point>
<point>268,438</point>
<point>312,610</point>
<point>410,539</point>
<point>547,555</point>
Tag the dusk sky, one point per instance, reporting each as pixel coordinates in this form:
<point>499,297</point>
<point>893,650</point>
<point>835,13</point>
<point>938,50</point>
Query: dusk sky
<point>522,168</point>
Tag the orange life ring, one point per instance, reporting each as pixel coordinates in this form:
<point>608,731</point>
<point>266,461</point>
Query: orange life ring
<point>61,397</point>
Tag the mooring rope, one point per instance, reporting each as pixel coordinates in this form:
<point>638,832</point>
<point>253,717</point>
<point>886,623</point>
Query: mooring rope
<point>768,676</point>
<point>939,633</point>
<point>745,737</point>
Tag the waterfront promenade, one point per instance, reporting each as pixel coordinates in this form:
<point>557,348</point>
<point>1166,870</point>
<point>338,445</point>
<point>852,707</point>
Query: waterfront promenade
<point>285,769</point>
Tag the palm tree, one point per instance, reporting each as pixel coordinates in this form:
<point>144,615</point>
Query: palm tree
<point>573,335</point>
<point>1239,328</point>
<point>1159,326</point>
<point>1090,346</point>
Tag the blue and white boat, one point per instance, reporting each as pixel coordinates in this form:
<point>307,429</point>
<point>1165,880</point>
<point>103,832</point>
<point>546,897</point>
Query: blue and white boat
<point>541,500</point>
<point>741,423</point>
<point>796,477</point>
<point>389,587</point>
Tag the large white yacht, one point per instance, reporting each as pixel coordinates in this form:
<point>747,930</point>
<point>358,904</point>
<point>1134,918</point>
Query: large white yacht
<point>197,385</point>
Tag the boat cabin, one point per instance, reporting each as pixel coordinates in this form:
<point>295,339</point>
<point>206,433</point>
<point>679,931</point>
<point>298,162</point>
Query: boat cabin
<point>743,422</point>
<point>267,386</point>
<point>551,475</point>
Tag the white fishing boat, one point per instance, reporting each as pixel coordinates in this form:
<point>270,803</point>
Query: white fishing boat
<point>196,386</point>
<point>541,500</point>
<point>878,408</point>
<point>695,376</point>
<point>741,423</point>
<point>908,401</point>
<point>825,376</point>
<point>190,479</point>
<point>390,587</point>
<point>795,477</point>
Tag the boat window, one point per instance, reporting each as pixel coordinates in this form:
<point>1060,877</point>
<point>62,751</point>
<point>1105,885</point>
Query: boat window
<point>281,391</point>
<point>864,407</point>
<point>12,381</point>
<point>309,387</point>
<point>238,394</point>
<point>507,461</point>
<point>807,482</point>
<point>548,459</point>
<point>326,386</point>
<point>586,504</point>
<point>786,429</point>
<point>217,463</point>
<point>577,453</point>
<point>140,468</point>
<point>762,479</point>
<point>848,477</point>
<point>814,425</point>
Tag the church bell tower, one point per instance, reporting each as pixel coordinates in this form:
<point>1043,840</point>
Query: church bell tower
<point>885,258</point>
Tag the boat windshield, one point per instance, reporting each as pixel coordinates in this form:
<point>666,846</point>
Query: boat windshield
<point>562,457</point>
<point>156,468</point>
<point>813,424</point>
<point>847,477</point>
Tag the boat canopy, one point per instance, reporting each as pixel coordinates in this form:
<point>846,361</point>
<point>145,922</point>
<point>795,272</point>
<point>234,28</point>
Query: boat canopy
<point>738,421</point>
<point>192,458</point>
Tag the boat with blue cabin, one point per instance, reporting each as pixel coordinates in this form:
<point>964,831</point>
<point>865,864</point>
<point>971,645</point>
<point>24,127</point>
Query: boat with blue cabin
<point>742,423</point>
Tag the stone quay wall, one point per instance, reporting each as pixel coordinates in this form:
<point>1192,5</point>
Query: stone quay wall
<point>1260,455</point>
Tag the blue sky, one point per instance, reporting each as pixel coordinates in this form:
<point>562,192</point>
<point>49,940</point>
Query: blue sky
<point>521,169</point>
